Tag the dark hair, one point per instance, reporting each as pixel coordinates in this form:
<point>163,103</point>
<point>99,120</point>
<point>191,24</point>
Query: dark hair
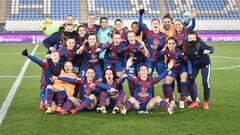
<point>91,34</point>
<point>179,20</point>
<point>198,42</point>
<point>81,26</point>
<point>135,22</point>
<point>63,37</point>
<point>155,19</point>
<point>103,18</point>
<point>116,33</point>
<point>118,20</point>
<point>170,38</point>
<point>91,14</point>
<point>64,65</point>
<point>131,31</point>
<point>104,80</point>
<point>89,68</point>
<point>167,16</point>
<point>142,65</point>
<point>69,16</point>
<point>86,43</point>
<point>67,38</point>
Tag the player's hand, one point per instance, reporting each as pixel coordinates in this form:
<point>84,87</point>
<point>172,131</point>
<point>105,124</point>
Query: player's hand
<point>79,51</point>
<point>52,49</point>
<point>54,78</point>
<point>141,11</point>
<point>170,64</point>
<point>206,52</point>
<point>48,56</point>
<point>110,41</point>
<point>124,76</point>
<point>98,50</point>
<point>92,86</point>
<point>194,13</point>
<point>129,62</point>
<point>112,90</point>
<point>25,52</point>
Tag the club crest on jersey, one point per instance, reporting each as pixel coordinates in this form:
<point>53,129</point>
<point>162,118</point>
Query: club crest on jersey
<point>144,90</point>
<point>155,42</point>
<point>93,56</point>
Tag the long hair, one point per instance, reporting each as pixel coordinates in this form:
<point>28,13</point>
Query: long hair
<point>197,45</point>
<point>86,44</point>
<point>101,19</point>
<point>64,44</point>
<point>104,80</point>
<point>167,16</point>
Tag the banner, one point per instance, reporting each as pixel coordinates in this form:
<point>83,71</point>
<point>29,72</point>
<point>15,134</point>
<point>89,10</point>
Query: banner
<point>38,38</point>
<point>21,38</point>
<point>222,37</point>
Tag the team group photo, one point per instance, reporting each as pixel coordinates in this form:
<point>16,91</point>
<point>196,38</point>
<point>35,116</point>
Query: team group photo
<point>119,67</point>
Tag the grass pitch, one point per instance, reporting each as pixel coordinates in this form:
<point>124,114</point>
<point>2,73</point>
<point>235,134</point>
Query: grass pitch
<point>24,117</point>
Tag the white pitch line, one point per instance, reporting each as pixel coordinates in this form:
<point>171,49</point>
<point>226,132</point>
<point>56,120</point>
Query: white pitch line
<point>40,53</point>
<point>225,57</point>
<point>14,88</point>
<point>222,68</point>
<point>20,76</point>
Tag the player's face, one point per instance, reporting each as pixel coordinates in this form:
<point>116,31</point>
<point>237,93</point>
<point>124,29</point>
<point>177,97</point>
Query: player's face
<point>192,37</point>
<point>55,57</point>
<point>171,44</point>
<point>69,20</point>
<point>143,71</point>
<point>90,74</point>
<point>117,39</point>
<point>104,23</point>
<point>68,67</point>
<point>167,23</point>
<point>82,31</point>
<point>70,44</point>
<point>69,28</point>
<point>155,25</point>
<point>118,25</point>
<point>91,19</point>
<point>135,27</point>
<point>131,37</point>
<point>109,75</point>
<point>92,40</point>
<point>178,25</point>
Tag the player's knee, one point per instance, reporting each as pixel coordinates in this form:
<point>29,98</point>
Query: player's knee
<point>91,97</point>
<point>132,99</point>
<point>157,98</point>
<point>49,87</point>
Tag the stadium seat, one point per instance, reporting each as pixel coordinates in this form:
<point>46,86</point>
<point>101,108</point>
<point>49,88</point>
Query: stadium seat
<point>31,13</point>
<point>212,14</point>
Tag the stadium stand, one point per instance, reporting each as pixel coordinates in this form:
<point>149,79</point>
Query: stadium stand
<point>28,14</point>
<point>213,15</point>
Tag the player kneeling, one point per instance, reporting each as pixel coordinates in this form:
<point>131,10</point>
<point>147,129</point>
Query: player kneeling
<point>111,99</point>
<point>87,99</point>
<point>142,100</point>
<point>63,89</point>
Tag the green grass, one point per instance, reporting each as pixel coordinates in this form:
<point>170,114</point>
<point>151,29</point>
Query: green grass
<point>24,117</point>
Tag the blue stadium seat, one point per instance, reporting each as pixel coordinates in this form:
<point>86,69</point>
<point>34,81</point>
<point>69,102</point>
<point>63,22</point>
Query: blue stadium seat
<point>125,10</point>
<point>208,9</point>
